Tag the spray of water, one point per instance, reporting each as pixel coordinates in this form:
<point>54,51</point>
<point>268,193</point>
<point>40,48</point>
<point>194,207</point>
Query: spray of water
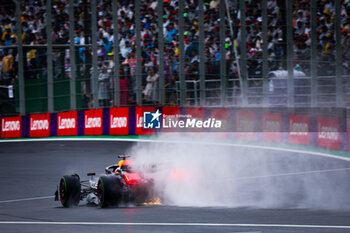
<point>200,175</point>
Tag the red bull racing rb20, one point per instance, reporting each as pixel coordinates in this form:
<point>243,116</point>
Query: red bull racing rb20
<point>121,184</point>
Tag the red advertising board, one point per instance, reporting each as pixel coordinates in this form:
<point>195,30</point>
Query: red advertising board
<point>39,125</point>
<point>170,115</point>
<point>93,122</point>
<point>11,127</point>
<point>299,127</point>
<point>139,120</point>
<point>223,116</point>
<point>271,127</point>
<point>119,121</point>
<point>198,114</point>
<point>67,123</point>
<point>245,125</point>
<point>328,133</point>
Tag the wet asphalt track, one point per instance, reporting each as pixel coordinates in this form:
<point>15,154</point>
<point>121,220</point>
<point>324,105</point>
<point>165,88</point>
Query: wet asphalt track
<point>32,169</point>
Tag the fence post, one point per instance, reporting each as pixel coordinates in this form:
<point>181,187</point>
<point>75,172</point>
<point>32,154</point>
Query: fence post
<point>290,57</point>
<point>116,54</point>
<point>161,52</point>
<point>94,53</point>
<point>314,59</point>
<point>50,102</point>
<point>223,78</point>
<point>72,78</point>
<point>243,55</point>
<point>22,103</point>
<point>138,55</point>
<point>265,67</point>
<point>195,93</point>
<point>338,60</point>
<point>202,89</point>
<point>182,54</point>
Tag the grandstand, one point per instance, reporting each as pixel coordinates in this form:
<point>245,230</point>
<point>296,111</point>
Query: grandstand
<point>61,55</point>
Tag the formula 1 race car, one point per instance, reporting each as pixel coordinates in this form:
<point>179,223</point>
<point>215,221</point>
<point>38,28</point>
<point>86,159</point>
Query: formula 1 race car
<point>120,184</point>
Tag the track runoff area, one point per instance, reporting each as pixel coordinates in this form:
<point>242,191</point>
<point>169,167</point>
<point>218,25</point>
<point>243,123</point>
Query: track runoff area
<point>30,170</point>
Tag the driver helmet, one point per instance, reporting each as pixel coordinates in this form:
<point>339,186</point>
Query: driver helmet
<point>124,164</point>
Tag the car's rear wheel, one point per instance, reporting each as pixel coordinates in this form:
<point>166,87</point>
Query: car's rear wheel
<point>69,190</point>
<point>108,191</point>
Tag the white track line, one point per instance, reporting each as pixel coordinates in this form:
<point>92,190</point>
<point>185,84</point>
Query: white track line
<point>27,199</point>
<point>177,224</point>
<point>181,141</point>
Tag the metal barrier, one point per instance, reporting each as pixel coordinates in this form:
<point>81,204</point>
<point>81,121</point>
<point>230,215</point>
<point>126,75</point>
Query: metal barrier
<point>325,93</point>
<point>325,89</point>
<point>191,93</point>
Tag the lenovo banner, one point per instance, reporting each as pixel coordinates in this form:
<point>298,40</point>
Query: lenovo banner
<point>271,127</point>
<point>328,133</point>
<point>93,122</point>
<point>245,125</point>
<point>11,127</point>
<point>39,125</point>
<point>67,123</point>
<point>299,127</point>
<point>119,121</point>
<point>139,120</point>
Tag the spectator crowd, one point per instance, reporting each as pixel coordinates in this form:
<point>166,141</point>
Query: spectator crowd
<point>34,21</point>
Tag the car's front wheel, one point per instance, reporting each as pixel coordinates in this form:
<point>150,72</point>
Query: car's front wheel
<point>69,190</point>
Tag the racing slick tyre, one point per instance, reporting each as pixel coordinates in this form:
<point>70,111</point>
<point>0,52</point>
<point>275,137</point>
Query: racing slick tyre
<point>108,191</point>
<point>69,190</point>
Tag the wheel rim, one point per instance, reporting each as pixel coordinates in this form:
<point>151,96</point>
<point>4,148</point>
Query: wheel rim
<point>63,188</point>
<point>100,193</point>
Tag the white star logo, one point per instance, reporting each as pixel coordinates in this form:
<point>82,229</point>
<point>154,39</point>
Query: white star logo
<point>156,115</point>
